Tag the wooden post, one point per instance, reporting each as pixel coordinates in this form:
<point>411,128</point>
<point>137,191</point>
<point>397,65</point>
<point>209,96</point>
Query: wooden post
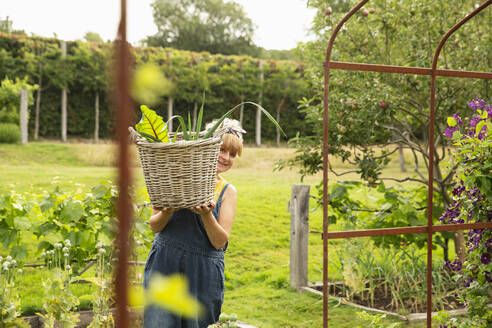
<point>258,111</point>
<point>64,100</point>
<point>170,101</point>
<point>23,116</point>
<point>299,230</point>
<point>96,118</point>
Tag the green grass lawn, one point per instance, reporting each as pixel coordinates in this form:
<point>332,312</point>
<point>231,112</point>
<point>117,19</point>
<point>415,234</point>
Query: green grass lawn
<point>257,261</point>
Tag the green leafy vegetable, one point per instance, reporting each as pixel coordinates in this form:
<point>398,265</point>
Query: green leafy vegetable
<point>152,126</point>
<point>200,117</point>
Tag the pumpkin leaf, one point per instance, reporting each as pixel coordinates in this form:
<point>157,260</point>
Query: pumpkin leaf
<point>152,124</point>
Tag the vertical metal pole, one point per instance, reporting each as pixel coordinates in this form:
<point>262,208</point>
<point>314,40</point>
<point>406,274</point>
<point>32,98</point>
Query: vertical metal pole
<point>325,157</point>
<point>430,182</point>
<point>124,208</point>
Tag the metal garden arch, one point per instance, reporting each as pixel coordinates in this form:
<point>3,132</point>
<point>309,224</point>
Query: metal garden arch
<point>430,228</point>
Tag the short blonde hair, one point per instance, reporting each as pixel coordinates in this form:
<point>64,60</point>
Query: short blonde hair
<point>232,143</point>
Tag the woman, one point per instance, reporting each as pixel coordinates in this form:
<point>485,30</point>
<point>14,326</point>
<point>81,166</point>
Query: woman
<point>192,242</point>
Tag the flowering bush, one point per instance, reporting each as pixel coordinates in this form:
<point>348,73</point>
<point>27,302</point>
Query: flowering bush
<point>472,202</point>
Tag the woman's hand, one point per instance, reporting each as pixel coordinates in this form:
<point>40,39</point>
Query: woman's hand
<point>159,218</point>
<point>164,210</point>
<point>203,209</point>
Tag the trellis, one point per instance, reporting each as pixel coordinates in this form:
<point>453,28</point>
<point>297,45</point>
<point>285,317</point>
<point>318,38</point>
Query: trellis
<point>429,228</point>
<point>123,103</point>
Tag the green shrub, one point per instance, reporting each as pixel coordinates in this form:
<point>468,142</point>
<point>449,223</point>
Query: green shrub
<point>9,133</point>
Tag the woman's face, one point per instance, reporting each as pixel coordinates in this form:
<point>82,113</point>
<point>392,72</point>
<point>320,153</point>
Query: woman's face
<point>226,159</point>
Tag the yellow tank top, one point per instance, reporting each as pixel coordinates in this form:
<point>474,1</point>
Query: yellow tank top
<point>218,189</point>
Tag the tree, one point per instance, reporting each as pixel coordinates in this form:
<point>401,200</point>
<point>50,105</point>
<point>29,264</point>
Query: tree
<point>91,73</point>
<point>284,83</point>
<point>93,37</point>
<point>5,25</point>
<point>391,110</point>
<point>202,25</point>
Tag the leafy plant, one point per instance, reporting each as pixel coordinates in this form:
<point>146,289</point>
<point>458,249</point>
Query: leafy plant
<point>59,300</point>
<point>103,318</point>
<point>472,202</point>
<point>226,321</point>
<point>9,133</point>
<point>154,127</point>
<point>9,300</point>
<point>373,320</point>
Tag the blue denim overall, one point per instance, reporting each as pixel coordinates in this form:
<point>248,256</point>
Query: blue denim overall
<point>183,247</point>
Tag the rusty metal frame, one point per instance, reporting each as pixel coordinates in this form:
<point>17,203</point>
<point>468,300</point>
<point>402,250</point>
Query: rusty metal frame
<point>429,228</point>
<point>124,210</point>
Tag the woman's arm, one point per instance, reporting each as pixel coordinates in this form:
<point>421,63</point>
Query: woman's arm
<point>159,218</point>
<point>218,231</point>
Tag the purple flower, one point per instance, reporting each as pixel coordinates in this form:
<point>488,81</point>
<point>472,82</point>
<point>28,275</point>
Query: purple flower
<point>474,121</point>
<point>487,276</point>
<point>458,119</point>
<point>450,130</point>
<point>467,282</point>
<point>476,103</point>
<point>485,258</point>
<point>489,110</point>
<point>488,245</point>
<point>458,190</point>
<point>451,213</point>
<point>455,266</point>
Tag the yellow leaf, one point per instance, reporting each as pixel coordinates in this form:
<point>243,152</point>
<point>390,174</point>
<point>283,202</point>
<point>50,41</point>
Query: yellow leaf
<point>171,293</point>
<point>135,296</point>
<point>149,84</point>
<point>452,121</point>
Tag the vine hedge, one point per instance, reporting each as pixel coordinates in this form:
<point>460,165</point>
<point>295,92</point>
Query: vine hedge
<point>86,71</point>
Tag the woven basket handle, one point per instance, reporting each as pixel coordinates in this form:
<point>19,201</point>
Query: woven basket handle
<point>134,136</point>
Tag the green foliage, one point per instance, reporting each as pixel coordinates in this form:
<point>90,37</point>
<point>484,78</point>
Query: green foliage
<point>87,72</point>
<point>9,297</point>
<point>103,318</point>
<point>369,108</point>
<point>214,26</point>
<point>472,202</point>
<point>5,25</point>
<point>226,321</point>
<point>84,219</point>
<point>373,320</point>
<point>59,302</point>
<point>10,98</point>
<point>152,126</point>
<point>93,37</point>
<point>397,273</point>
<point>355,205</point>
<point>9,133</point>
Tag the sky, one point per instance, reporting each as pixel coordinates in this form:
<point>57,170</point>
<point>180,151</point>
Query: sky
<point>280,23</point>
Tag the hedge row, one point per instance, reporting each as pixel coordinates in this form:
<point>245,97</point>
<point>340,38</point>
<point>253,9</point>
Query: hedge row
<point>86,70</point>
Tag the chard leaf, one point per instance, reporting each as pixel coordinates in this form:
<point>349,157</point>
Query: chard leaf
<point>152,124</point>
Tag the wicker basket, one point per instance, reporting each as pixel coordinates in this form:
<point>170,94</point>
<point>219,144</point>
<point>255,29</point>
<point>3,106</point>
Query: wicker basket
<point>180,174</point>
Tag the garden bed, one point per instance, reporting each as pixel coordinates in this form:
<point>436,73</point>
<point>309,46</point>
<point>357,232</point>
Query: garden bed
<point>383,302</point>
<point>86,317</point>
